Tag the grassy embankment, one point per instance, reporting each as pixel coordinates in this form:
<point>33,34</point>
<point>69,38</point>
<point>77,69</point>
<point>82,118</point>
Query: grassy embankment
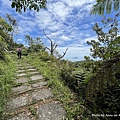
<point>7,77</point>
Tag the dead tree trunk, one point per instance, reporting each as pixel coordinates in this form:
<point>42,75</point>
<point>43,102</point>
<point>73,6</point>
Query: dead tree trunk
<point>53,46</point>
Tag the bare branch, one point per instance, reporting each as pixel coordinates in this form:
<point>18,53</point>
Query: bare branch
<point>48,48</point>
<point>54,47</point>
<point>46,35</point>
<point>63,54</point>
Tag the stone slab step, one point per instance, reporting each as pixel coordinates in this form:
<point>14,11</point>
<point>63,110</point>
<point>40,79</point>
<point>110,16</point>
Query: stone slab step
<point>31,69</point>
<point>26,88</point>
<point>22,80</point>
<point>19,71</point>
<point>18,102</point>
<point>28,98</point>
<point>36,77</point>
<point>39,84</point>
<point>48,111</point>
<point>21,74</point>
<point>51,111</point>
<point>21,89</point>
<point>41,94</point>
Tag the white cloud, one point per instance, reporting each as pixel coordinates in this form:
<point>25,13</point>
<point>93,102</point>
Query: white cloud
<point>77,3</point>
<point>75,53</point>
<point>63,37</point>
<point>59,9</point>
<point>19,40</point>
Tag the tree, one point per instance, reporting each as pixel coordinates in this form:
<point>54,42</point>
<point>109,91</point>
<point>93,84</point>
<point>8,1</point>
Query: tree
<point>35,45</point>
<point>29,40</point>
<point>103,6</point>
<point>5,30</point>
<point>14,25</point>
<point>102,91</point>
<point>4,26</point>
<point>107,44</point>
<point>53,47</point>
<point>23,5</point>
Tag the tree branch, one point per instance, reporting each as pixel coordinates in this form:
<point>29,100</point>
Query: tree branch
<point>63,54</point>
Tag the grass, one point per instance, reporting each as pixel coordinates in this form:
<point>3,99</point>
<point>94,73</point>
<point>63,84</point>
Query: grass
<point>7,77</point>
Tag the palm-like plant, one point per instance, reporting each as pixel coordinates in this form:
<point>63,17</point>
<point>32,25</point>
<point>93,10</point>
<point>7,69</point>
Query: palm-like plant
<point>103,6</point>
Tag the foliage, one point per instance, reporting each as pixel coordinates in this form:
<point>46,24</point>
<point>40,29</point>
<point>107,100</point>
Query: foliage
<point>102,93</point>
<point>35,45</point>
<point>6,32</point>
<point>107,44</point>
<point>23,5</point>
<point>7,70</point>
<point>103,96</point>
<point>4,25</point>
<point>105,5</point>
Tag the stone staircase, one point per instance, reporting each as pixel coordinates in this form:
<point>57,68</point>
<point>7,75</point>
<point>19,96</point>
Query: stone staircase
<point>31,98</point>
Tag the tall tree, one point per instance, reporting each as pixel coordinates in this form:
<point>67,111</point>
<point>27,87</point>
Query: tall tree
<point>107,44</point>
<point>35,45</point>
<point>103,6</point>
<point>14,25</point>
<point>23,5</point>
<point>5,29</point>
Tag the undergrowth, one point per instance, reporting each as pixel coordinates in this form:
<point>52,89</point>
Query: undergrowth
<point>7,70</point>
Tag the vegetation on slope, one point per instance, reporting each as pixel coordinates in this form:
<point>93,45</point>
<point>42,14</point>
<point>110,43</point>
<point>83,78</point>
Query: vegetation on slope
<point>7,77</point>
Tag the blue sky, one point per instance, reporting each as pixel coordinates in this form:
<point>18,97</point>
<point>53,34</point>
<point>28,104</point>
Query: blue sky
<point>67,22</point>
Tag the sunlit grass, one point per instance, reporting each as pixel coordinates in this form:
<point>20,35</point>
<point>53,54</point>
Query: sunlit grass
<point>7,77</point>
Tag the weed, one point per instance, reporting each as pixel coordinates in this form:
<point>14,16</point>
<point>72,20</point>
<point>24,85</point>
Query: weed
<point>32,110</point>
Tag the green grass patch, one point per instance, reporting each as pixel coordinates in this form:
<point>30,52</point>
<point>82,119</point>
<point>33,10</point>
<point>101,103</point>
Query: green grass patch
<point>7,77</point>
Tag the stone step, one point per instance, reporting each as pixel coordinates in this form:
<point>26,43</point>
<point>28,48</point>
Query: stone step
<point>47,111</point>
<point>51,111</point>
<point>36,77</point>
<point>28,98</point>
<point>21,74</point>
<point>22,80</point>
<point>25,88</point>
<point>19,71</point>
<point>33,73</point>
<point>21,89</point>
<point>31,69</point>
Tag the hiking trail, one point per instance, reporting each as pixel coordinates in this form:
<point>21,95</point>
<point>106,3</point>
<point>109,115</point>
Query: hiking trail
<point>31,98</point>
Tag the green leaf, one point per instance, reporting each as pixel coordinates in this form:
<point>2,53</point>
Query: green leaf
<point>1,110</point>
<point>13,4</point>
<point>24,9</point>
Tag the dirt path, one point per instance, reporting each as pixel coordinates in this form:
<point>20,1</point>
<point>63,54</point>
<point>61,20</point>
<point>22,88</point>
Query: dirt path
<point>31,99</point>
